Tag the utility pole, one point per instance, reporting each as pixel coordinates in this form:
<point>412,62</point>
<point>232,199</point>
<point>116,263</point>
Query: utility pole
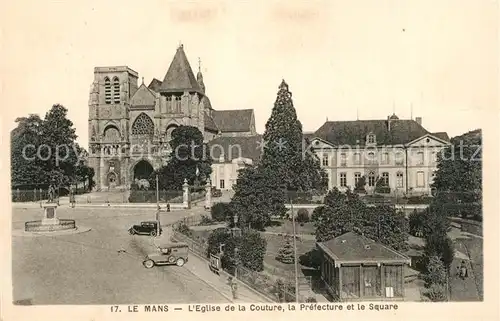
<point>295,254</point>
<point>157,207</point>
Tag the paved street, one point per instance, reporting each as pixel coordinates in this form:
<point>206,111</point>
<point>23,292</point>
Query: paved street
<point>88,268</point>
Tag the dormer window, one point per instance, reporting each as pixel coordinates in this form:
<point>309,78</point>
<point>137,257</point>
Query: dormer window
<point>370,139</point>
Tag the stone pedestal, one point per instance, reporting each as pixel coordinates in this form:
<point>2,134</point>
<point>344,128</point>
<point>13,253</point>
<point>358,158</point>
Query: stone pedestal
<point>208,196</point>
<point>50,214</point>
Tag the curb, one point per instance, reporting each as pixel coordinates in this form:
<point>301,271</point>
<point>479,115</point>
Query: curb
<point>77,230</point>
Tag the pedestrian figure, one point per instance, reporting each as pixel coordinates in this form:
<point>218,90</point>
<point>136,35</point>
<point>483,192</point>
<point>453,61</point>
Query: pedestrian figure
<point>463,270</point>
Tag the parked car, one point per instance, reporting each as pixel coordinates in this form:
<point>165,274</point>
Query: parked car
<point>167,254</point>
<point>146,228</point>
<point>216,192</point>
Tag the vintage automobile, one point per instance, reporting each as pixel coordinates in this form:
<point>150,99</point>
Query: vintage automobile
<point>216,192</point>
<point>146,228</point>
<point>168,254</point>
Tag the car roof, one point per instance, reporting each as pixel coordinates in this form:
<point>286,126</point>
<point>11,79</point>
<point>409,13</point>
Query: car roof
<point>148,222</point>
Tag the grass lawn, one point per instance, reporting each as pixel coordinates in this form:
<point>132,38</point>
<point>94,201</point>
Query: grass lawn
<point>286,226</point>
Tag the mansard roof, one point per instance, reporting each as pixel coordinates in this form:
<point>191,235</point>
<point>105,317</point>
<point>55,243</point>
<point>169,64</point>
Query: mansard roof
<point>143,97</point>
<point>355,132</point>
<point>238,120</point>
<point>179,76</point>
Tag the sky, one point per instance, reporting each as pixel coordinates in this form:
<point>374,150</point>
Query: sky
<point>341,59</point>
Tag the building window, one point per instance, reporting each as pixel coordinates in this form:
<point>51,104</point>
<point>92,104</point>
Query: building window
<point>143,125</point>
<point>357,177</point>
<point>420,158</point>
<point>399,180</point>
<point>343,160</point>
<point>434,157</point>
<point>357,159</point>
<point>221,184</point>
<point>399,158</point>
<point>371,158</point>
<point>420,179</point>
<point>107,90</point>
<point>385,178</point>
<point>371,179</point>
<point>370,139</point>
<point>385,158</point>
<point>325,160</point>
<point>343,179</point>
<point>177,104</point>
<point>116,90</point>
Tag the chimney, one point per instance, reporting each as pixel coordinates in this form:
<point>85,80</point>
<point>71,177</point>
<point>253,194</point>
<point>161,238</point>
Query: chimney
<point>418,120</point>
<point>389,123</point>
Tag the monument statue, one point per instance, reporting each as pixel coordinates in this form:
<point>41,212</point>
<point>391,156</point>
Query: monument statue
<point>51,194</point>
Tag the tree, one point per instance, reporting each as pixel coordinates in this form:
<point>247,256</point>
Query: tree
<point>360,185</point>
<point>220,211</point>
<point>45,152</point>
<point>256,198</point>
<point>189,153</point>
<point>252,249</point>
<point>385,225</point>
<point>284,155</point>
<point>435,272</point>
<point>286,253</point>
<point>345,212</point>
<point>458,180</point>
<point>27,169</point>
<point>441,246</point>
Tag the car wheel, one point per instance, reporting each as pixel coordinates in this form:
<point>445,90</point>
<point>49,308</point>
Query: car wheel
<point>153,233</point>
<point>180,262</point>
<point>148,264</point>
<point>131,231</point>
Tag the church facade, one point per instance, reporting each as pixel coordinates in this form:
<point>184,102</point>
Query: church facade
<point>130,125</point>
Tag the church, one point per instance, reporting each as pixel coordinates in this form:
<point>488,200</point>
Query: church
<point>130,124</point>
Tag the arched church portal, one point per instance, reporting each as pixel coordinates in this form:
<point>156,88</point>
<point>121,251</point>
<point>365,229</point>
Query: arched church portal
<point>169,130</point>
<point>143,170</point>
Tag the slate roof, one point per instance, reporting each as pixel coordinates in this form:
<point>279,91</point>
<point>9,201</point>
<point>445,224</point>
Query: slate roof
<point>349,132</point>
<point>210,123</point>
<point>179,76</point>
<point>231,146</point>
<point>442,135</point>
<point>355,248</point>
<point>155,85</point>
<point>143,97</point>
<point>239,120</point>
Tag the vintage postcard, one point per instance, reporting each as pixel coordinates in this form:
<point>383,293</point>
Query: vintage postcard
<point>181,159</point>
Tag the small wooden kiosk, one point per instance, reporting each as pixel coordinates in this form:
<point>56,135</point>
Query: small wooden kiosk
<point>355,268</point>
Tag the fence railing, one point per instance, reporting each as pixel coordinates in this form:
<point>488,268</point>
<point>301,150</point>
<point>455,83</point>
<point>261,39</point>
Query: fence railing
<point>279,289</point>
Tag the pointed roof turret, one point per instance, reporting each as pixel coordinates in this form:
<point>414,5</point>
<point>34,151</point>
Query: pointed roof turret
<point>199,77</point>
<point>180,76</point>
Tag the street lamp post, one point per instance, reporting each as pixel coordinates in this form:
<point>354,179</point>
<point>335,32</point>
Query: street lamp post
<point>157,207</point>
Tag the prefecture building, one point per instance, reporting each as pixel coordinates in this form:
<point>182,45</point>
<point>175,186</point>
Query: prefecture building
<point>130,123</point>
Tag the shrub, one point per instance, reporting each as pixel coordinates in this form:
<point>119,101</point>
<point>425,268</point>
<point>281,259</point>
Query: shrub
<point>436,273</point>
<point>360,186</point>
<point>311,259</point>
<point>416,222</point>
<point>184,229</point>
<point>216,238</point>
<point>436,293</point>
<point>220,211</point>
<point>205,220</point>
<point>252,248</point>
<point>441,246</point>
<point>303,215</point>
<point>286,253</point>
